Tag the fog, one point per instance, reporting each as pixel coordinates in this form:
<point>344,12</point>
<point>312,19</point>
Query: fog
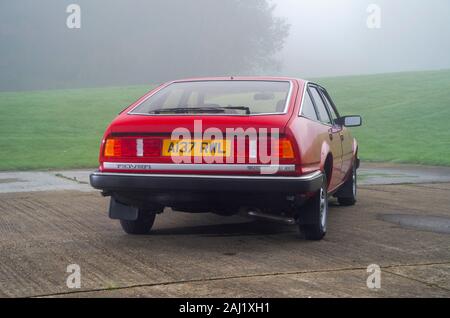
<point>129,42</point>
<point>331,37</point>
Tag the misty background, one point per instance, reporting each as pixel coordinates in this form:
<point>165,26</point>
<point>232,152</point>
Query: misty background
<point>128,42</point>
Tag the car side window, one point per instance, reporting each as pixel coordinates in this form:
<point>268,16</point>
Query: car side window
<point>308,109</point>
<point>329,105</point>
<point>320,106</point>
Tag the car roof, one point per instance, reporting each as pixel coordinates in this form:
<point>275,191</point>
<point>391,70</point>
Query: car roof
<point>240,78</point>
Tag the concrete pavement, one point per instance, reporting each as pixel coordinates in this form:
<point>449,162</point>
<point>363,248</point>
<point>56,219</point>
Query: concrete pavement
<point>204,255</point>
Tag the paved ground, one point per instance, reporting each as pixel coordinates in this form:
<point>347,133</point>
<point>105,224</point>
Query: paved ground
<point>404,228</point>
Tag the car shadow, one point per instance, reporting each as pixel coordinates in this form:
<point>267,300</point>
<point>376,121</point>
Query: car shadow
<point>251,228</point>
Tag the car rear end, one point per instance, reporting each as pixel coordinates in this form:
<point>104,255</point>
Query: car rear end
<point>216,145</point>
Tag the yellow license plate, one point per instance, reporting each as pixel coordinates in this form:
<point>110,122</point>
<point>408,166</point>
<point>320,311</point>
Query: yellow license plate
<point>196,148</point>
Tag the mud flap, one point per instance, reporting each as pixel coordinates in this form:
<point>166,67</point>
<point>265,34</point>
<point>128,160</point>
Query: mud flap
<point>344,192</point>
<point>305,216</point>
<point>119,211</point>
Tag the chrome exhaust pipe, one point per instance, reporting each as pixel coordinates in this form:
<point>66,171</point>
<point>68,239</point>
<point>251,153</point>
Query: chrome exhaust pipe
<point>276,218</point>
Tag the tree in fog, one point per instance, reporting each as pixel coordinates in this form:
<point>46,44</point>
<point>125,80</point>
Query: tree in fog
<point>124,42</point>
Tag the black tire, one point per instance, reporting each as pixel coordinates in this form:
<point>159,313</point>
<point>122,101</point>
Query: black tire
<point>313,215</point>
<point>347,194</point>
<point>142,225</point>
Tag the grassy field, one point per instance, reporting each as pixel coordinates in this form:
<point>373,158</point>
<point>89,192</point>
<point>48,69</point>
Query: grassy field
<point>405,115</point>
<point>57,128</point>
<point>406,119</point>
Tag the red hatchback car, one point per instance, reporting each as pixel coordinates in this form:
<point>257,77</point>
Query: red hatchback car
<point>273,148</point>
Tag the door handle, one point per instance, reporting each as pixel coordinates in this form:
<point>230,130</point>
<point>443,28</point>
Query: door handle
<point>330,134</point>
<point>342,137</point>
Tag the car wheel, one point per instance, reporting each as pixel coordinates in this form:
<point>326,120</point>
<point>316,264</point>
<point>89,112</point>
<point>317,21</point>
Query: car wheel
<point>313,217</point>
<point>350,189</point>
<point>142,225</point>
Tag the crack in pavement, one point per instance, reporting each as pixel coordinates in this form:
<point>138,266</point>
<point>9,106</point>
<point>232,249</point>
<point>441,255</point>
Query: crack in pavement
<point>425,185</point>
<point>418,280</point>
<point>212,279</point>
<point>74,179</point>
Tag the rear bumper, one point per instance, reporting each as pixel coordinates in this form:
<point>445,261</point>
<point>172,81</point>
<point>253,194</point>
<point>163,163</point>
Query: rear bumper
<point>127,182</point>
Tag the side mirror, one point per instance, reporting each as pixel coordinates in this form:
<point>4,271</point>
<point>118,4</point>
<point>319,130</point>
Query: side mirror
<point>349,121</point>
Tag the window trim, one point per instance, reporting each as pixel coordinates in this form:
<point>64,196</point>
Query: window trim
<point>324,104</point>
<point>330,102</point>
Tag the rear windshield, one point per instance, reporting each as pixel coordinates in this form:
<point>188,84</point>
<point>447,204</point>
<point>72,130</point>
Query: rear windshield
<point>218,97</point>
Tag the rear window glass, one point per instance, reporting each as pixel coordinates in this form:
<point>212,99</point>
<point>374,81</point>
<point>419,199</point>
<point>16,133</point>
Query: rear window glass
<point>218,97</point>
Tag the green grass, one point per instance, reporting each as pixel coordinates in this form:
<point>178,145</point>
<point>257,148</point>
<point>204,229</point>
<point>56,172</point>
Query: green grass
<point>406,116</point>
<point>406,119</point>
<point>57,128</point>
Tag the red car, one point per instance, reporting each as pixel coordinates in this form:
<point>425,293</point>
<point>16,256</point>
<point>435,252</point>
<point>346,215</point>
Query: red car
<point>273,148</point>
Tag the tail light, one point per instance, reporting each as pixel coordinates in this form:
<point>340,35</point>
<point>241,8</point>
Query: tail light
<point>132,147</point>
<point>113,148</point>
<point>281,149</point>
<point>286,151</point>
<point>142,147</point>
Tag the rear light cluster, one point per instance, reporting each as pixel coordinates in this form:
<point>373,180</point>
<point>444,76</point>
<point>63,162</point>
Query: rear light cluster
<point>132,147</point>
<point>151,147</point>
<point>286,151</point>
